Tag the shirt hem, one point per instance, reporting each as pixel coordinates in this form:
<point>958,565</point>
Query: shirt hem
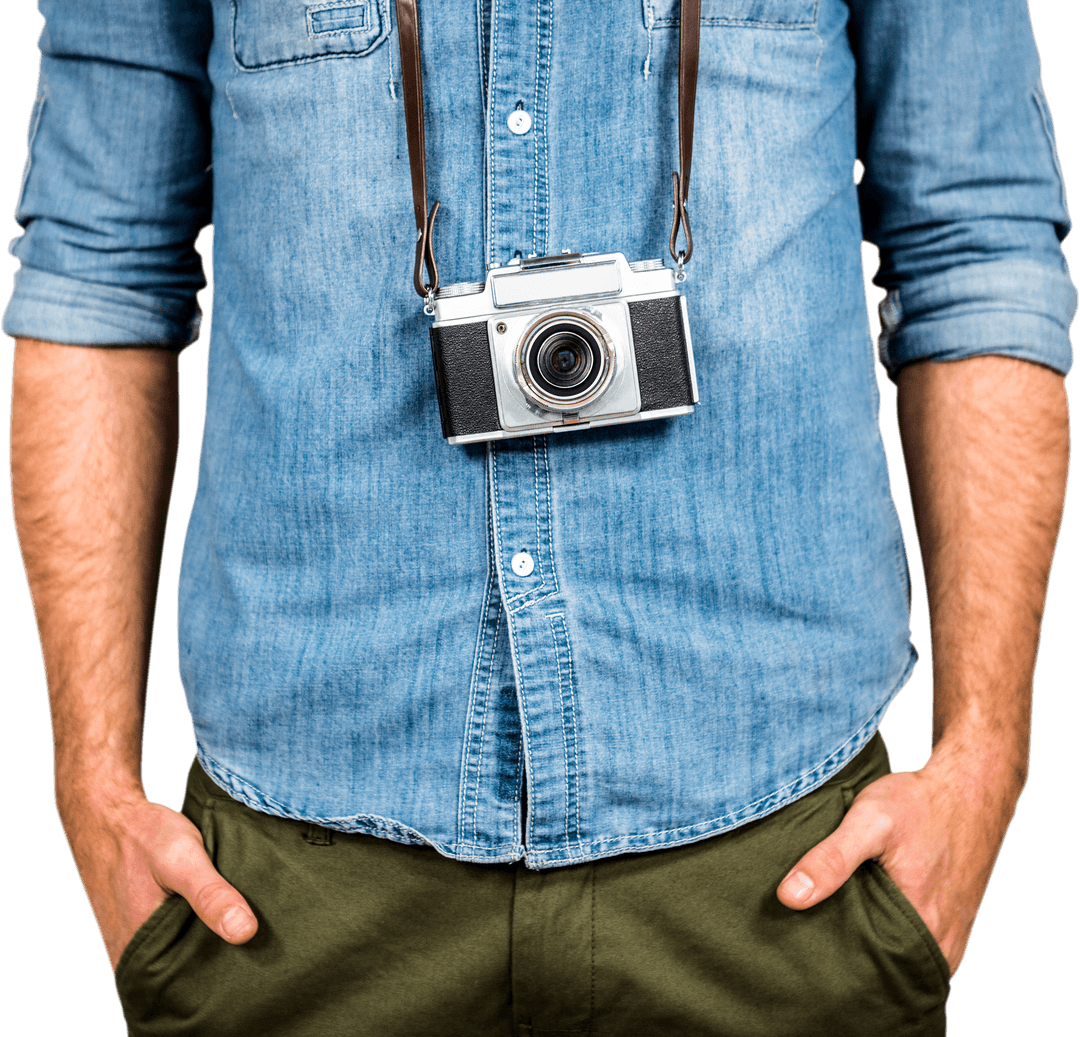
<point>598,849</point>
<point>672,837</point>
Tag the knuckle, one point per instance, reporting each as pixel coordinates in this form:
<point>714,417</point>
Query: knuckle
<point>878,822</point>
<point>831,859</point>
<point>177,857</point>
<point>213,898</point>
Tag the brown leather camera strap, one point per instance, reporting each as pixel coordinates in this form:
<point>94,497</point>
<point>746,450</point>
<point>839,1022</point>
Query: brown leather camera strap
<point>689,46</point>
<point>413,89</point>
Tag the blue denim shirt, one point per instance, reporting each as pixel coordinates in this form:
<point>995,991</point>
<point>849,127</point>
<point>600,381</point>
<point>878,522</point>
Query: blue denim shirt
<point>717,612</point>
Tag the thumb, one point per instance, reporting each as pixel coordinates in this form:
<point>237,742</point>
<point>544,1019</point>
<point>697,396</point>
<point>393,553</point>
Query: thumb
<point>826,867</point>
<point>191,874</point>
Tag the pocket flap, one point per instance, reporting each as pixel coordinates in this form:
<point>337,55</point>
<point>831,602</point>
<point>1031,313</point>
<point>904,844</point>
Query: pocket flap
<point>272,33</point>
<point>764,14</point>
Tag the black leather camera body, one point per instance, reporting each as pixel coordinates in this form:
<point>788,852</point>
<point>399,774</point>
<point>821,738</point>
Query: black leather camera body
<point>559,343</point>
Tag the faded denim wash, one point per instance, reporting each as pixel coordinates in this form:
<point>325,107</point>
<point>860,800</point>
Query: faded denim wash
<point>717,615</point>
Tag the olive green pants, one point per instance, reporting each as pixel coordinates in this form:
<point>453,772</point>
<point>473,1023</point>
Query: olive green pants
<point>362,936</point>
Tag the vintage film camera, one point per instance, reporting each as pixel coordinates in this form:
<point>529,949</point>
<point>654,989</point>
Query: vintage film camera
<point>561,342</point>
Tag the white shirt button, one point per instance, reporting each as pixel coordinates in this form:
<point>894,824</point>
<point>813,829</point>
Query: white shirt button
<point>519,121</point>
<point>522,564</point>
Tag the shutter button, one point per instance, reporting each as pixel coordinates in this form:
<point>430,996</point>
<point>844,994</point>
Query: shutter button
<point>522,564</point>
<point>519,121</point>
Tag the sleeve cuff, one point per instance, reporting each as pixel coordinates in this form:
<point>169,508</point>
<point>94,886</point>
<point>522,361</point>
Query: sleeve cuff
<point>55,308</point>
<point>1014,307</point>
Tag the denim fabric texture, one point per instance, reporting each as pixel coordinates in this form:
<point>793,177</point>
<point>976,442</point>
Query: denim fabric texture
<point>717,613</point>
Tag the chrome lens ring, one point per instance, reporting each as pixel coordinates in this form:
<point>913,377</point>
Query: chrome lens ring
<point>564,361</point>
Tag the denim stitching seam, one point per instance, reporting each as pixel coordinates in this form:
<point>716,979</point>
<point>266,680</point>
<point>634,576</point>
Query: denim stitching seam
<point>562,729</point>
<point>483,726</point>
<point>470,763</point>
<point>385,13</point>
<point>749,23</point>
<point>544,32</point>
<point>547,509</point>
<point>547,151</point>
<point>567,697</point>
<point>480,52</point>
<point>526,742</point>
<point>493,62</point>
<point>536,504</point>
<point>317,34</point>
<point>334,5</point>
<point>533,602</point>
<point>467,784</point>
<point>495,509</point>
<point>536,130</point>
<point>572,694</point>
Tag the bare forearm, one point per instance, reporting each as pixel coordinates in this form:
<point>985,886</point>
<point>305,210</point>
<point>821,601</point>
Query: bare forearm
<point>986,445</point>
<point>93,447</point>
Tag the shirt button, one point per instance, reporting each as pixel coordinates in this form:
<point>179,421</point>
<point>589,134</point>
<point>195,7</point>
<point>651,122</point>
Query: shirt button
<point>522,563</point>
<point>519,121</point>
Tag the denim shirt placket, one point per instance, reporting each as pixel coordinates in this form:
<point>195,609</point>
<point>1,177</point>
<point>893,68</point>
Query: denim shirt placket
<point>530,623</point>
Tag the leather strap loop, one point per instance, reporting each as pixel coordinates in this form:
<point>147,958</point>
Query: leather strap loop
<point>412,86</point>
<point>425,253</point>
<point>682,218</point>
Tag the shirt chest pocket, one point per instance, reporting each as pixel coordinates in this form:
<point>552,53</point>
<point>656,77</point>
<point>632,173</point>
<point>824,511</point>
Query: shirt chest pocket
<point>272,33</point>
<point>760,14</point>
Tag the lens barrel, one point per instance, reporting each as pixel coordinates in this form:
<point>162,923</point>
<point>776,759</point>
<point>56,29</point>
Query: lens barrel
<point>564,361</point>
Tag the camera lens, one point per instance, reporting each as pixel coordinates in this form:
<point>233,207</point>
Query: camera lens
<point>564,361</point>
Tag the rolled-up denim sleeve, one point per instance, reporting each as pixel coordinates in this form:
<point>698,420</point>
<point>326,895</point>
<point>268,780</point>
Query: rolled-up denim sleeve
<point>961,191</point>
<point>118,182</point>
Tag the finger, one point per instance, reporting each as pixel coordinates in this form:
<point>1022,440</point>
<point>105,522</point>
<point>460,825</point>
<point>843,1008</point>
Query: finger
<point>187,870</point>
<point>826,867</point>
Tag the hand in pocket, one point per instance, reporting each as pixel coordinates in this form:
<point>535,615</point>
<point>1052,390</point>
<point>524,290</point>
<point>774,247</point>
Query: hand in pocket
<point>935,840</point>
<point>134,855</point>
